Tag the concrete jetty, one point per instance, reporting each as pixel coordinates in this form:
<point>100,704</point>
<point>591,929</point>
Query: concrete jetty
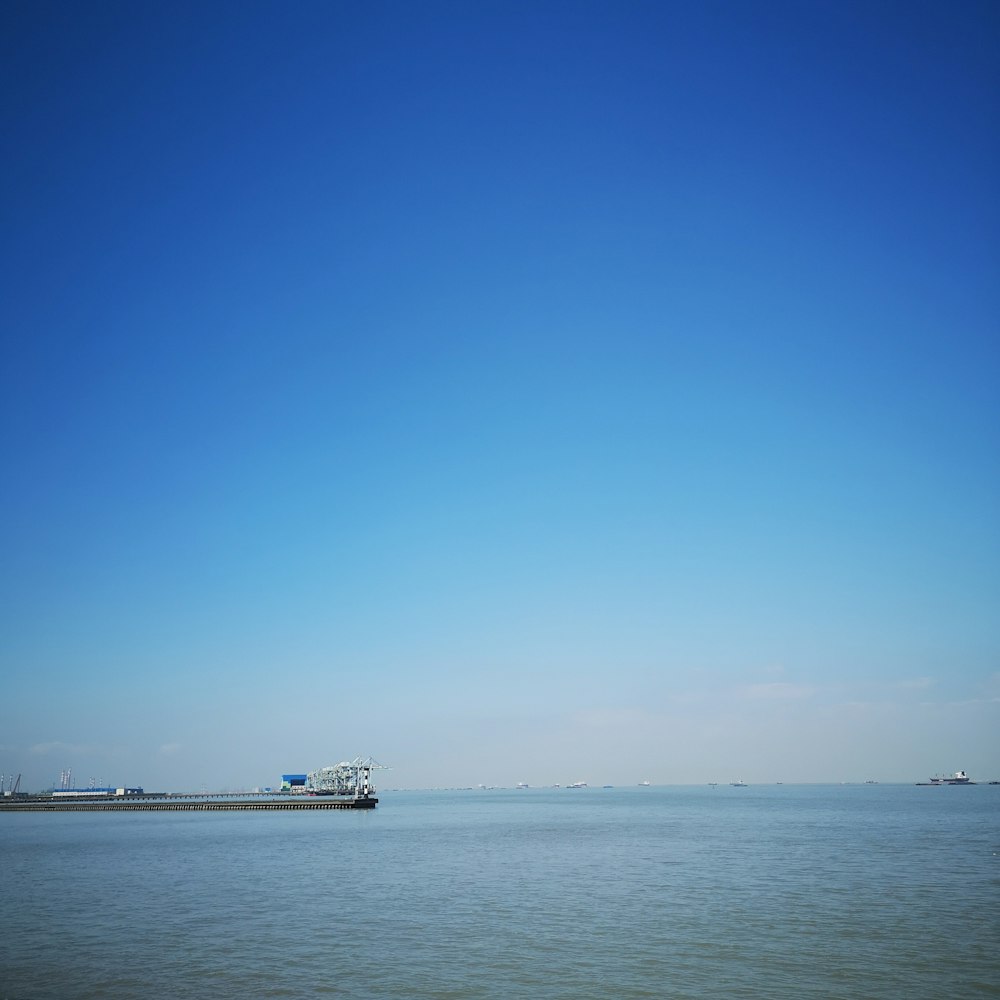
<point>199,804</point>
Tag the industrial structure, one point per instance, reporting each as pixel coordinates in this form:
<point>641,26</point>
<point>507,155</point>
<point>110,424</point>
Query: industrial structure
<point>347,785</point>
<point>351,779</point>
<point>77,793</point>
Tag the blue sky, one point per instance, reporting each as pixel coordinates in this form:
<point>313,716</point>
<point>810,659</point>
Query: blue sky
<point>515,392</point>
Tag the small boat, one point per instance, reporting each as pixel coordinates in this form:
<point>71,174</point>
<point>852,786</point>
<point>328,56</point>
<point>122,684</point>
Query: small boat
<point>644,784</point>
<point>740,783</point>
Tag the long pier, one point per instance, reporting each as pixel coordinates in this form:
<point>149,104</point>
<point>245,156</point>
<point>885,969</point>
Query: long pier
<point>184,805</point>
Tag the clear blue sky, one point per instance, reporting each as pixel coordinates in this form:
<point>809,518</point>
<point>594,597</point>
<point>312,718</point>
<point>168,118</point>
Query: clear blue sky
<point>513,391</point>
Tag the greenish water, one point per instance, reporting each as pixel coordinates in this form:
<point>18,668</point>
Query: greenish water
<point>869,891</point>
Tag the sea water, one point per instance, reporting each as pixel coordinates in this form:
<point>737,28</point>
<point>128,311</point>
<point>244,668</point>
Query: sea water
<point>864,891</point>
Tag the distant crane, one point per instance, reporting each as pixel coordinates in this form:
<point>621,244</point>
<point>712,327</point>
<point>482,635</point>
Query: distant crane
<point>349,778</point>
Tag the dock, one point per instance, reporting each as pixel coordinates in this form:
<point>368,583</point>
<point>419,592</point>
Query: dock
<point>185,804</point>
<point>346,785</point>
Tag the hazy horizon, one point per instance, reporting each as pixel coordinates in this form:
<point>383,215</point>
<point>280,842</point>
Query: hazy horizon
<point>511,392</point>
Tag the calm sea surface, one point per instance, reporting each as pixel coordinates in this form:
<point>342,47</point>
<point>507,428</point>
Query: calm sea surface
<point>866,891</point>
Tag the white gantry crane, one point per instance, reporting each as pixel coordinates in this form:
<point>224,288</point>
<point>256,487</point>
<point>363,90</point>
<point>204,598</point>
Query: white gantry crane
<point>350,778</point>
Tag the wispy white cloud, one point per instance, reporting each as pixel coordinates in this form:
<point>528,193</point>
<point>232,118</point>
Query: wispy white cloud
<point>56,746</point>
<point>776,691</point>
<point>64,749</point>
<point>991,688</point>
<point>913,684</point>
<point>959,703</point>
<point>611,718</point>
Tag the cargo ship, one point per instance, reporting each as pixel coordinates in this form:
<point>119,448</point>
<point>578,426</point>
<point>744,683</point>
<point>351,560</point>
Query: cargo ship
<point>958,778</point>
